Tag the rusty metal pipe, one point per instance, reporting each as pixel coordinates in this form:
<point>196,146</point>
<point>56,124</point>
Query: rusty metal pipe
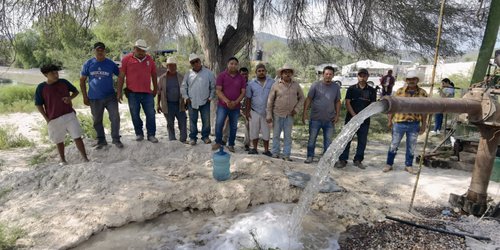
<point>425,105</point>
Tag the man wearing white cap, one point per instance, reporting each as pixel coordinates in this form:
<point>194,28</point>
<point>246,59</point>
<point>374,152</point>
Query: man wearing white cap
<point>139,70</point>
<point>284,102</point>
<point>170,101</point>
<point>410,124</point>
<point>198,90</point>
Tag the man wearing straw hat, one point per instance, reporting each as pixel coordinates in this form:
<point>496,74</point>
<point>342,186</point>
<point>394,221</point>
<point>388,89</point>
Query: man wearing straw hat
<point>170,101</point>
<point>284,102</point>
<point>410,124</point>
<point>139,70</point>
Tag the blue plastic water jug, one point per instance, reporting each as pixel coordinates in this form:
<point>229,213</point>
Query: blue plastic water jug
<point>221,165</point>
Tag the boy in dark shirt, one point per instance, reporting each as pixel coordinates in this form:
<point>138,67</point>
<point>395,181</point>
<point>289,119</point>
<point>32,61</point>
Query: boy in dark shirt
<point>53,101</point>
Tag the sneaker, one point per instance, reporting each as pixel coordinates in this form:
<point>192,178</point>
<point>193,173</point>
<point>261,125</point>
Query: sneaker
<point>207,141</point>
<point>359,164</point>
<point>230,148</point>
<point>215,146</point>
<point>308,160</point>
<point>192,142</point>
<point>387,168</point>
<point>101,144</point>
<point>253,151</point>
<point>118,144</point>
<point>275,155</point>
<point>438,132</point>
<point>268,153</point>
<point>432,132</point>
<point>340,164</point>
<point>287,158</point>
<point>152,139</point>
<point>410,170</point>
<point>247,148</point>
<point>139,137</point>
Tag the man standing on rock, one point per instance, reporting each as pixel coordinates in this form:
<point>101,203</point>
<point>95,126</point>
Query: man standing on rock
<point>410,124</point>
<point>53,101</point>
<point>231,87</point>
<point>170,100</point>
<point>139,70</point>
<point>284,102</point>
<point>357,98</point>
<point>325,109</point>
<point>198,90</point>
<point>255,110</point>
<point>101,95</point>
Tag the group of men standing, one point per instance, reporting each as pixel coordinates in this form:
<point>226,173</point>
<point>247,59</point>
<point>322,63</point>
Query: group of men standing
<point>268,104</point>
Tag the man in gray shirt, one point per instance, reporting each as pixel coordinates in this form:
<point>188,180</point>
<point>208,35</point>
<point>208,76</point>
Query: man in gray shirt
<point>324,99</point>
<point>198,89</point>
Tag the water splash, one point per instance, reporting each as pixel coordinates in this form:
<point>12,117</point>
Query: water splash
<point>327,162</point>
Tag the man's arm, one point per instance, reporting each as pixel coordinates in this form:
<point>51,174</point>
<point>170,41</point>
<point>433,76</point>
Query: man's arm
<point>270,104</point>
<point>389,120</point>
<point>423,127</point>
<point>248,104</point>
<point>349,107</point>
<point>155,83</point>
<point>300,102</point>
<point>221,96</point>
<point>121,79</point>
<point>212,86</point>
<point>337,111</point>
<point>307,103</point>
<point>83,88</point>
<point>42,111</point>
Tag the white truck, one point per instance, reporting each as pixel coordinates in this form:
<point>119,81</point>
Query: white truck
<point>352,78</point>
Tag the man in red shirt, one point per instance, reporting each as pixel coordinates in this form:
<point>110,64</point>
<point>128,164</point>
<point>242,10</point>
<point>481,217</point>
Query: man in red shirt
<point>139,70</point>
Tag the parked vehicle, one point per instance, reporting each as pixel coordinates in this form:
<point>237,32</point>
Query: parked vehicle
<point>352,78</point>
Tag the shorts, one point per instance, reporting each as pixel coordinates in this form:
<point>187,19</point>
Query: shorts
<point>258,124</point>
<point>59,127</point>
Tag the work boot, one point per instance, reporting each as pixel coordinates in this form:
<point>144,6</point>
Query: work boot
<point>387,168</point>
<point>215,146</point>
<point>287,158</point>
<point>118,144</point>
<point>340,164</point>
<point>308,160</point>
<point>207,141</point>
<point>359,164</point>
<point>139,137</point>
<point>410,170</point>
<point>152,139</point>
<point>230,148</point>
<point>192,142</point>
<point>268,153</point>
<point>253,151</point>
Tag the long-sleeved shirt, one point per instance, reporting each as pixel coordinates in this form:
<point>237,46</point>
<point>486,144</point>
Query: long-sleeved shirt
<point>199,87</point>
<point>283,99</point>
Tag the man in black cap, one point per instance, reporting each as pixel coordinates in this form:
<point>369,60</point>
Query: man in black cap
<point>101,95</point>
<point>357,98</point>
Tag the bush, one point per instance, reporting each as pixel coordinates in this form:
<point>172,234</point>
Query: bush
<point>17,98</point>
<point>8,139</point>
<point>9,236</point>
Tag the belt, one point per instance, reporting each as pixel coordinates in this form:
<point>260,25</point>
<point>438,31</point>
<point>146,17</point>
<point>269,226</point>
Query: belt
<point>409,121</point>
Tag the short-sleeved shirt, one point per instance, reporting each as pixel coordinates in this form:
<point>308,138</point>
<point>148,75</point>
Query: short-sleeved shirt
<point>323,99</point>
<point>100,76</point>
<point>409,117</point>
<point>360,98</point>
<point>173,88</point>
<point>51,95</point>
<point>231,86</point>
<point>259,93</point>
<point>138,72</point>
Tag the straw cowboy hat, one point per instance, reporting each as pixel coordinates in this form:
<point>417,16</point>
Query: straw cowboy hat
<point>286,67</point>
<point>170,60</point>
<point>412,74</point>
<point>193,57</point>
<point>141,44</point>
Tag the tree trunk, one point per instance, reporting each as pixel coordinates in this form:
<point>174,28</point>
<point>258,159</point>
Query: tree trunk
<point>234,39</point>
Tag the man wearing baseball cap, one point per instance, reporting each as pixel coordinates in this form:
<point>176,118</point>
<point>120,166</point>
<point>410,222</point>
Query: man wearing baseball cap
<point>139,70</point>
<point>410,124</point>
<point>170,101</point>
<point>101,94</point>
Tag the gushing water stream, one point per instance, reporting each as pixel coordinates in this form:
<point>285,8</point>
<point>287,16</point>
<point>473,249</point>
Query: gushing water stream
<point>327,162</point>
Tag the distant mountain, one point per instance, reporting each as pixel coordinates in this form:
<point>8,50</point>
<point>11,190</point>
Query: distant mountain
<point>262,37</point>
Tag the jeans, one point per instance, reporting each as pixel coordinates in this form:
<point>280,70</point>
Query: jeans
<point>399,129</point>
<point>146,100</point>
<point>97,109</point>
<point>173,113</point>
<point>220,119</point>
<point>314,127</point>
<point>438,122</point>
<point>362,135</point>
<point>284,124</point>
<point>204,110</point>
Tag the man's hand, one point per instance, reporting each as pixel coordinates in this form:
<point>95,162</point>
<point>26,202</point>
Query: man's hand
<point>86,100</point>
<point>304,117</point>
<point>389,124</point>
<point>119,95</point>
<point>336,119</point>
<point>248,115</point>
<point>67,100</point>
<point>159,109</point>
<point>294,112</point>
<point>269,120</point>
<point>231,104</point>
<point>155,91</point>
<point>187,102</point>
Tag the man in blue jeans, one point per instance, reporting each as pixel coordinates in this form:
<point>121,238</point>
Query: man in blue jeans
<point>139,70</point>
<point>357,98</point>
<point>325,109</point>
<point>101,95</point>
<point>230,89</point>
<point>408,124</point>
<point>198,90</point>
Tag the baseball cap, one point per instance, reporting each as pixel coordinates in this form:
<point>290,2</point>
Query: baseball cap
<point>99,45</point>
